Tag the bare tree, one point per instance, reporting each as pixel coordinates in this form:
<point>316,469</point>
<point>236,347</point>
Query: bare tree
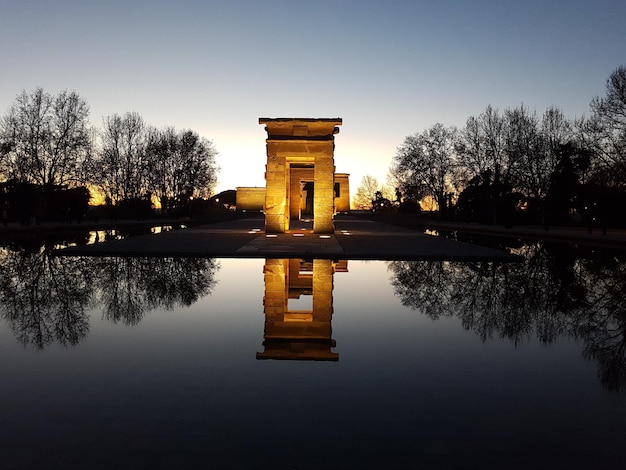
<point>46,138</point>
<point>199,169</point>
<point>525,169</point>
<point>427,162</point>
<point>605,131</point>
<point>556,130</point>
<point>5,167</point>
<point>482,144</point>
<point>120,166</point>
<point>161,148</point>
<point>181,165</point>
<point>366,193</point>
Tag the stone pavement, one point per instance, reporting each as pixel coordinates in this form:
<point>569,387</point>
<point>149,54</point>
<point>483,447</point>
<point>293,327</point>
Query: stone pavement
<point>354,238</point>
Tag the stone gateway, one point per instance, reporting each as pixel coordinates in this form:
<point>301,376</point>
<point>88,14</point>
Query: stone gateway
<point>300,173</point>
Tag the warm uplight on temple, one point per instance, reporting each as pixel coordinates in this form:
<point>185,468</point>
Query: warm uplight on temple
<point>300,175</point>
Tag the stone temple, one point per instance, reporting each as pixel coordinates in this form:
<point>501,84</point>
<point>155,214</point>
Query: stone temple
<point>300,177</point>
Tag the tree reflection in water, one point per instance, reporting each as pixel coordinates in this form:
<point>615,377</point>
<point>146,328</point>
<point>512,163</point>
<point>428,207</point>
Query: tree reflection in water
<point>602,321</point>
<point>130,287</point>
<point>45,298</point>
<point>557,291</point>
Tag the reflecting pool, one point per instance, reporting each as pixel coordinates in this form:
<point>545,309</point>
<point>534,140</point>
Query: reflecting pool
<point>307,364</point>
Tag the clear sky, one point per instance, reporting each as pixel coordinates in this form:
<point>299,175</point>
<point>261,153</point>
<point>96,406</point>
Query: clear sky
<point>388,68</point>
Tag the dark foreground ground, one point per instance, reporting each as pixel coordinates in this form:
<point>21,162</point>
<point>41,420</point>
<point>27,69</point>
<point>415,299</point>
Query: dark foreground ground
<point>354,238</point>
<point>578,235</point>
<point>365,236</point>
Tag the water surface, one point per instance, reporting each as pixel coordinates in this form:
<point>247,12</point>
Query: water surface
<point>148,363</point>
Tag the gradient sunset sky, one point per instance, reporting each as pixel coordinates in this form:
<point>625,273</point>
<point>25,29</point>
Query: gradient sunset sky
<point>388,68</point>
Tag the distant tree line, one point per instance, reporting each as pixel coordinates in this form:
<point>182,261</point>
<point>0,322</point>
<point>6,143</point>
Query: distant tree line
<point>517,167</point>
<point>48,150</point>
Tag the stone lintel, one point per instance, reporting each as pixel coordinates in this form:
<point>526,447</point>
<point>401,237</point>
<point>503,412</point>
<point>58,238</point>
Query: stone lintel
<point>310,138</point>
<point>301,128</point>
<point>288,145</point>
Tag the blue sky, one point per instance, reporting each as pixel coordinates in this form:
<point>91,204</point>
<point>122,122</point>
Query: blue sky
<point>388,68</point>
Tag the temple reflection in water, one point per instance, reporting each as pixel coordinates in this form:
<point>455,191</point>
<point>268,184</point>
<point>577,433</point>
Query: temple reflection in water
<point>296,333</point>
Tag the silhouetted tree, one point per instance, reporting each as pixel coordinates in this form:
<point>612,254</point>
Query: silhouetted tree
<point>605,131</point>
<point>505,159</point>
<point>45,138</point>
<point>481,199</point>
<point>163,174</point>
<point>5,149</point>
<point>427,163</point>
<point>181,166</point>
<point>481,145</point>
<point>120,165</point>
<point>564,186</point>
<point>527,167</point>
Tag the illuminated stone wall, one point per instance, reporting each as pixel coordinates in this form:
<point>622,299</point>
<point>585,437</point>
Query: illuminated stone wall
<point>324,196</point>
<point>253,198</point>
<point>342,203</point>
<point>250,199</point>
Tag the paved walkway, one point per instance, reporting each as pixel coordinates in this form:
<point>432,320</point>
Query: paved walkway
<point>354,238</point>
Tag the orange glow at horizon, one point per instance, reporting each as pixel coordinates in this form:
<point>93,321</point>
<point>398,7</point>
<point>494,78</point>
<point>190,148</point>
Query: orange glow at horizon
<point>98,198</point>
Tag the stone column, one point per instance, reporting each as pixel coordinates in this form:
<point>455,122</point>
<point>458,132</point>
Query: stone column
<point>324,198</point>
<point>276,207</point>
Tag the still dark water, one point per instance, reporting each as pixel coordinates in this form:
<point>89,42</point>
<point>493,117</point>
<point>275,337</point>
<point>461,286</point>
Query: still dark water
<point>307,364</point>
